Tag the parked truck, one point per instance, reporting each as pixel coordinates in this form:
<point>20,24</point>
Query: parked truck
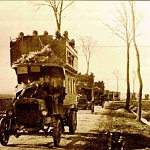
<point>45,100</point>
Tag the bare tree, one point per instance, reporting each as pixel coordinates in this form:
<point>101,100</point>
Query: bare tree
<point>134,25</point>
<point>58,7</point>
<point>124,31</point>
<point>88,45</point>
<point>117,75</point>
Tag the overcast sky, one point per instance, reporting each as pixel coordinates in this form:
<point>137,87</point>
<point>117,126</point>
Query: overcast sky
<point>84,18</point>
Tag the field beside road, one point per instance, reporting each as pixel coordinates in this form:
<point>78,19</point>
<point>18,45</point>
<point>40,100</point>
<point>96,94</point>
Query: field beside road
<point>145,104</point>
<point>136,135</point>
<point>133,107</point>
<point>145,108</point>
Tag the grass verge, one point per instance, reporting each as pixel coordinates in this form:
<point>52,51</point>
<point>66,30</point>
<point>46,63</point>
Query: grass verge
<point>136,134</point>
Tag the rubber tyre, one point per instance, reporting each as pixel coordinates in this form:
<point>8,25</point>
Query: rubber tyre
<point>4,135</point>
<point>72,122</point>
<point>103,104</point>
<point>57,130</point>
<point>92,108</point>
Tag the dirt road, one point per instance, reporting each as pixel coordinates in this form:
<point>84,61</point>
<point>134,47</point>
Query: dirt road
<point>84,137</point>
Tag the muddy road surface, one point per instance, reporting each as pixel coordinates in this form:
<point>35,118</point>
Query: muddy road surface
<point>85,136</point>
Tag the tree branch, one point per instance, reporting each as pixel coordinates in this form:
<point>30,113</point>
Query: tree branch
<point>115,32</point>
<point>67,5</point>
<point>41,4</point>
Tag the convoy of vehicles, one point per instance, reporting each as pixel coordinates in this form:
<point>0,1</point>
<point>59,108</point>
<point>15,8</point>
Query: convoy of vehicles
<point>50,90</point>
<point>46,97</point>
<point>90,93</point>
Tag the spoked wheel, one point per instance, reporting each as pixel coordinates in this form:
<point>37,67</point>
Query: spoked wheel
<point>4,135</point>
<point>72,122</point>
<point>57,130</point>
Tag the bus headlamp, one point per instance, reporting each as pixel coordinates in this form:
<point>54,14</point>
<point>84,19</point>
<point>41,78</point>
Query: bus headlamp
<point>44,112</point>
<point>9,112</point>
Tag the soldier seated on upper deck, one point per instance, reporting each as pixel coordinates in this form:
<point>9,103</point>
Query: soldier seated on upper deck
<point>20,36</point>
<point>45,33</point>
<point>34,33</point>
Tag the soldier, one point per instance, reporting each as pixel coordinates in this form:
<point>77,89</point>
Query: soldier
<point>45,33</point>
<point>34,33</point>
<point>20,36</point>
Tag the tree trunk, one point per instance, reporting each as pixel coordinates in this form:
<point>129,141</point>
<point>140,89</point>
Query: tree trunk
<point>57,17</point>
<point>57,21</point>
<point>138,65</point>
<point>140,82</point>
<point>87,67</point>
<point>128,79</point>
<point>58,26</point>
<point>117,84</point>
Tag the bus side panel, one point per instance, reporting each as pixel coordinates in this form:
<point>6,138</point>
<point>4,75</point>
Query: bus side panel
<point>70,89</point>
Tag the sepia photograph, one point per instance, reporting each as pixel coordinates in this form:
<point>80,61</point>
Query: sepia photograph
<point>74,75</point>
